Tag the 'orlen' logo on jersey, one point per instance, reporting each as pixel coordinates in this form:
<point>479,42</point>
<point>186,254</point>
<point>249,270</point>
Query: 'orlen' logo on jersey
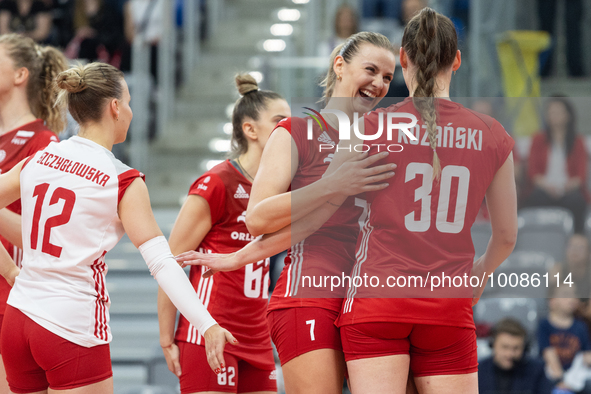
<point>242,218</point>
<point>240,192</point>
<point>238,236</point>
<point>22,137</point>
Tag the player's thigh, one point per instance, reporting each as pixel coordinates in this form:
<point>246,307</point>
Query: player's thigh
<point>3,382</point>
<point>378,356</point>
<point>386,374</point>
<point>102,387</point>
<point>318,371</point>
<point>448,384</point>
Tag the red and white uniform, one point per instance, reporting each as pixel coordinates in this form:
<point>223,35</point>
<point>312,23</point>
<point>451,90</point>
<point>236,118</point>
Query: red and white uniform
<point>237,300</point>
<point>70,193</point>
<point>417,227</point>
<point>331,249</point>
<point>15,146</point>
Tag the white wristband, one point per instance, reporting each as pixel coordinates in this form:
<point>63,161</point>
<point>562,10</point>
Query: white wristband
<point>174,282</point>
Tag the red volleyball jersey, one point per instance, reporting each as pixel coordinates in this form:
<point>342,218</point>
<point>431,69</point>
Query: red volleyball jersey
<point>237,299</point>
<point>418,229</point>
<point>329,251</point>
<point>15,146</point>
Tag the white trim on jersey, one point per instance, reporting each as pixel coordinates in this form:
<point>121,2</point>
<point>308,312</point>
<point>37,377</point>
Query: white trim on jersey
<point>204,293</point>
<point>360,258</point>
<point>295,269</point>
<point>17,255</point>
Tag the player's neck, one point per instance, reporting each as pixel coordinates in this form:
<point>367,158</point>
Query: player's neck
<point>250,161</point>
<point>14,112</point>
<point>98,134</point>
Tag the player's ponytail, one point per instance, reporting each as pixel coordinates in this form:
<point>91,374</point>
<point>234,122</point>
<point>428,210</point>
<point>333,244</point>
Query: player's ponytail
<point>348,50</point>
<point>431,43</point>
<point>43,63</point>
<point>252,102</point>
<point>86,89</point>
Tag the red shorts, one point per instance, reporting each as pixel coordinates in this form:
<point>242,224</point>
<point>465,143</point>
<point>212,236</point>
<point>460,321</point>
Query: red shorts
<point>296,331</point>
<point>240,376</point>
<point>35,358</point>
<point>434,350</point>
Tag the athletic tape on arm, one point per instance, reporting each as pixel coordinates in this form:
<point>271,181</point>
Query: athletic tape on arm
<point>174,282</point>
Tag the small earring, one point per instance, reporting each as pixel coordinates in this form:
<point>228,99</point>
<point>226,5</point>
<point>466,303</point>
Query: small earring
<point>339,77</point>
<point>454,72</point>
<point>117,119</point>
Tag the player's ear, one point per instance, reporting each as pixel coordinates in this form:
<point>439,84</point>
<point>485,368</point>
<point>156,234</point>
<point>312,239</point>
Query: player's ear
<point>248,129</point>
<point>114,108</point>
<point>21,76</point>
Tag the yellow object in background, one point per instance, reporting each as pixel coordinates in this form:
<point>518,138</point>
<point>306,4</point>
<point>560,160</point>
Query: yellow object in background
<point>519,53</point>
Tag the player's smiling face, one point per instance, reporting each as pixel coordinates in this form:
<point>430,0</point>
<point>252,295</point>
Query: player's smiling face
<point>367,75</point>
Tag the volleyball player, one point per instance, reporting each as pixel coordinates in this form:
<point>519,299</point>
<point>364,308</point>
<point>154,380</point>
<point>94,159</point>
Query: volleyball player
<point>301,323</point>
<point>78,200</point>
<point>212,221</point>
<point>29,121</point>
<point>421,224</point>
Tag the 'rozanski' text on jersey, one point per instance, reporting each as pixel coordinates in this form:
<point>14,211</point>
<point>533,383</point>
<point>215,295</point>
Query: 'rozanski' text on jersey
<point>70,193</point>
<point>226,295</point>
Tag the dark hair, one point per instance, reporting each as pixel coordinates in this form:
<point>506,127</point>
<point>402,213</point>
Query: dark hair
<point>348,50</point>
<point>44,64</point>
<point>252,102</point>
<point>508,326</point>
<point>431,43</point>
<point>571,132</point>
<point>87,88</point>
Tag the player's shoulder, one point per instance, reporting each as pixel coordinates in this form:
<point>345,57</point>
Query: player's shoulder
<point>488,121</point>
<point>291,124</point>
<point>216,177</point>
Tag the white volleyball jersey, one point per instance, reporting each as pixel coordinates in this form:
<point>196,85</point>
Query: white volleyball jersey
<point>70,192</point>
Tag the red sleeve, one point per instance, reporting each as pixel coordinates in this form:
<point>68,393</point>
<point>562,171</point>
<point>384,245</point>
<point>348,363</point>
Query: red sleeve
<point>297,127</point>
<point>211,187</point>
<point>125,180</point>
<point>538,156</point>
<point>40,141</point>
<point>577,160</point>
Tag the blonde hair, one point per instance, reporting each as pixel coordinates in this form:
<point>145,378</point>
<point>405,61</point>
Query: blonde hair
<point>44,64</point>
<point>86,89</point>
<point>348,50</point>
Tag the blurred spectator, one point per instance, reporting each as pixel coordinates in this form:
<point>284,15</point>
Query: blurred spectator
<point>31,18</point>
<point>573,19</point>
<point>562,337</point>
<point>557,166</point>
<point>509,369</point>
<point>99,33</point>
<point>346,23</point>
<point>380,8</point>
<point>576,264</point>
<point>143,19</point>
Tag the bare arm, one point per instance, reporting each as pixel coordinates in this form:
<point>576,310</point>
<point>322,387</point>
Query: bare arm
<point>501,200</point>
<point>10,189</point>
<point>10,227</point>
<point>143,231</point>
<point>553,365</point>
<point>271,208</point>
<point>191,226</point>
